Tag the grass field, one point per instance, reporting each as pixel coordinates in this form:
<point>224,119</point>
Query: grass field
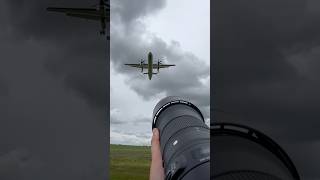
<point>129,162</point>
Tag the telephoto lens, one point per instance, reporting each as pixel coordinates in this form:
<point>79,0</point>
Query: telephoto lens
<point>184,139</point>
<point>244,153</point>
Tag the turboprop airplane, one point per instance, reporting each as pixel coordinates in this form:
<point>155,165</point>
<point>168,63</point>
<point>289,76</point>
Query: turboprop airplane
<point>150,66</point>
<point>100,13</point>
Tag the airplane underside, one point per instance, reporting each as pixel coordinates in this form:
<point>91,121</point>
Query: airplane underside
<point>150,66</point>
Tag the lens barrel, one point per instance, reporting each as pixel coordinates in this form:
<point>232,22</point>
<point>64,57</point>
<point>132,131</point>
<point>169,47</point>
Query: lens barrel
<point>184,139</point>
<point>243,153</point>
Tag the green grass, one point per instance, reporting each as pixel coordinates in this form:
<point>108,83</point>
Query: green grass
<point>129,162</point>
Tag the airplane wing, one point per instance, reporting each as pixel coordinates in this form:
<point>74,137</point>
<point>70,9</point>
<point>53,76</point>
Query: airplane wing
<point>137,65</point>
<point>155,66</point>
<point>91,14</point>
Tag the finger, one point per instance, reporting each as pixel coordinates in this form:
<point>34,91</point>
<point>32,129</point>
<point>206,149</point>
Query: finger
<point>156,169</point>
<point>155,146</point>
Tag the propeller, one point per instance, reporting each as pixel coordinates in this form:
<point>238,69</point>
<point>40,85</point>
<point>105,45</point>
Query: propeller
<point>159,62</point>
<point>141,64</point>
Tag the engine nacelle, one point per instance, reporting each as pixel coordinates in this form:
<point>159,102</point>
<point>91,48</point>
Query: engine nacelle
<point>159,62</point>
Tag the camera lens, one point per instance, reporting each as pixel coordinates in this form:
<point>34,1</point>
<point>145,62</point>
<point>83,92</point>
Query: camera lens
<point>184,139</point>
<point>243,153</point>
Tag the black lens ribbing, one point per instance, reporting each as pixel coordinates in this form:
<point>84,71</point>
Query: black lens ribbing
<point>184,139</point>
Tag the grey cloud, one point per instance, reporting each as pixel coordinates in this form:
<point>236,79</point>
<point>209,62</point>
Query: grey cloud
<point>3,87</point>
<point>55,106</point>
<point>18,164</point>
<point>76,53</point>
<point>305,152</point>
<point>10,163</point>
<point>33,21</point>
<point>265,72</point>
<point>138,120</point>
<point>123,137</point>
<point>142,120</point>
<point>254,61</point>
<point>71,56</point>
<point>182,80</point>
<point>128,10</point>
<point>50,121</point>
<point>82,67</point>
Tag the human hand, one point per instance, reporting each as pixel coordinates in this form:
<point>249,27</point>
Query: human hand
<point>156,169</point>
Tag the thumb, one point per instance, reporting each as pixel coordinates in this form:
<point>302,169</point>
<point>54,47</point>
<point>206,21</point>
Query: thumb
<point>155,145</point>
<point>156,169</point>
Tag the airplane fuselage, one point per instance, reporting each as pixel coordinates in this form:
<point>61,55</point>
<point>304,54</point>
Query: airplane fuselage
<point>100,13</point>
<point>150,64</point>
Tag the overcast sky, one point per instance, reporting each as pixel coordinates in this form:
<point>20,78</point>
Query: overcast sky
<point>266,73</point>
<point>53,88</point>
<point>176,30</point>
<point>53,78</point>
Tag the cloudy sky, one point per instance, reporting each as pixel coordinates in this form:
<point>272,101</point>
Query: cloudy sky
<point>265,73</point>
<point>176,30</point>
<point>53,74</point>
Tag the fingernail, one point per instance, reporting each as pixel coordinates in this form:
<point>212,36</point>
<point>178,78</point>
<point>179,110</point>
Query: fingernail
<point>155,132</point>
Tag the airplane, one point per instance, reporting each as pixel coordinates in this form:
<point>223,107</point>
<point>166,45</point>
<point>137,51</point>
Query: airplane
<point>100,13</point>
<point>150,66</point>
